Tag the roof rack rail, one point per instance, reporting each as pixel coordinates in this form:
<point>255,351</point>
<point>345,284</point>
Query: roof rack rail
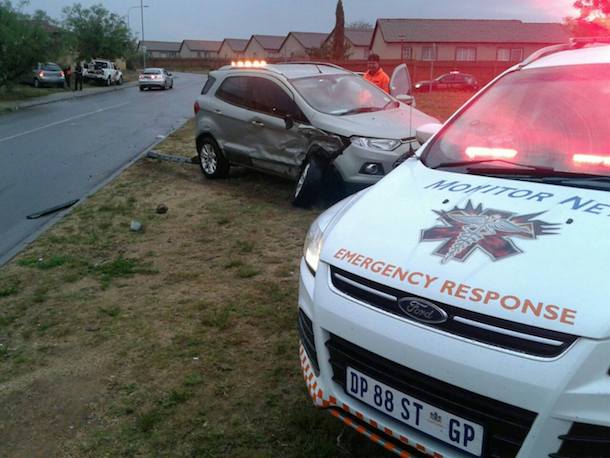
<point>328,64</point>
<point>573,43</point>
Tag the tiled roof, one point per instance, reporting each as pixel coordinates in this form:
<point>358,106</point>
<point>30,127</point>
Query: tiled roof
<point>470,31</point>
<point>359,37</point>
<point>269,42</point>
<point>309,40</point>
<point>236,44</point>
<point>160,45</point>
<point>202,45</point>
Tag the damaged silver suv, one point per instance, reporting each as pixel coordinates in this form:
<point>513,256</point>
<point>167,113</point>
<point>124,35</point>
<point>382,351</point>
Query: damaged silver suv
<point>305,121</point>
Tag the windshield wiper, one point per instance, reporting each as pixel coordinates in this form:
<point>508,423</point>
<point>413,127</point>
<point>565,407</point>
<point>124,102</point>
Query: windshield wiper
<point>515,166</point>
<point>537,173</point>
<point>359,110</point>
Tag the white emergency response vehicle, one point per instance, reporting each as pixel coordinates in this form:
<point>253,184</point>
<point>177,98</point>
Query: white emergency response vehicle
<point>459,307</point>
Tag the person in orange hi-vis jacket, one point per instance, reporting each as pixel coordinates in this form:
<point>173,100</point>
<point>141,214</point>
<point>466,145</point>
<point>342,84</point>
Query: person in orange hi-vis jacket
<point>376,75</point>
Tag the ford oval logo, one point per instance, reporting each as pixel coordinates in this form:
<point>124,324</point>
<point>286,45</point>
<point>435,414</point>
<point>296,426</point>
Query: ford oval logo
<point>422,310</point>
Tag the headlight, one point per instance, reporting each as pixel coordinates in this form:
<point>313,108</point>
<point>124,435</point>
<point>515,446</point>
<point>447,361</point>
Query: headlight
<point>313,246</point>
<point>383,144</point>
<point>314,239</point>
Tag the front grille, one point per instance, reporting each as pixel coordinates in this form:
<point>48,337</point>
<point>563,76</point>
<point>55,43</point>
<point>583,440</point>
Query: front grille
<point>506,426</point>
<point>471,325</point>
<point>308,341</point>
<point>584,441</point>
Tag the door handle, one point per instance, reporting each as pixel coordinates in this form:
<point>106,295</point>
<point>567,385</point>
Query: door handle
<point>217,111</point>
<point>258,123</point>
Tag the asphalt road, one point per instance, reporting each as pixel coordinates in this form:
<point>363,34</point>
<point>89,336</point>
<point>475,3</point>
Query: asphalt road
<point>55,153</point>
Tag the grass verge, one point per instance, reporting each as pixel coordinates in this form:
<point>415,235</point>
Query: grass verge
<point>177,340</point>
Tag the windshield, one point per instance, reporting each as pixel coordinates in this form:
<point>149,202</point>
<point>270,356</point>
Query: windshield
<point>342,94</point>
<point>550,120</point>
<point>51,67</point>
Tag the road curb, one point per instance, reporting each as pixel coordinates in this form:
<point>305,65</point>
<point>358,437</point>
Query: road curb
<point>74,95</point>
<point>56,217</point>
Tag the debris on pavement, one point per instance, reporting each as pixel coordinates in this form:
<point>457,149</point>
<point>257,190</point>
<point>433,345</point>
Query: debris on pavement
<point>54,209</point>
<point>170,158</point>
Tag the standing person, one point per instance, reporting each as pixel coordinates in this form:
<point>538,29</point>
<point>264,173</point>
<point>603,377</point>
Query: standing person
<point>78,77</point>
<point>376,75</point>
<point>68,75</point>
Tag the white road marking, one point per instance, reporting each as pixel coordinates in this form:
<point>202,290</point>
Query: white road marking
<point>31,131</point>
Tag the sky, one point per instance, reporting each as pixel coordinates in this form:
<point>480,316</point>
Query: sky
<point>176,20</point>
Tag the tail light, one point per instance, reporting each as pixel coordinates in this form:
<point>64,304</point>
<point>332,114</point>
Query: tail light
<point>61,74</point>
<point>41,74</point>
<point>197,107</point>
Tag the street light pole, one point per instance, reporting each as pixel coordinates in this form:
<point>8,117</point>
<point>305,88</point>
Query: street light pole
<point>142,19</point>
<point>141,6</point>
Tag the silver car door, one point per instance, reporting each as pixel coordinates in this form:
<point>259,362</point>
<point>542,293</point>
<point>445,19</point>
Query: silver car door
<point>233,118</point>
<point>280,146</point>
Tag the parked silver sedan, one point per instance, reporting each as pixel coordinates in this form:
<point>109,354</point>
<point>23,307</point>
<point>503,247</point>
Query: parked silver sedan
<point>155,77</point>
<point>47,74</point>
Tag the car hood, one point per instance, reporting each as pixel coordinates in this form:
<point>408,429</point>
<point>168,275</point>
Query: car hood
<point>380,124</point>
<point>528,242</point>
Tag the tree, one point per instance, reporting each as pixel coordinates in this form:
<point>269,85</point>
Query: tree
<point>339,35</point>
<point>360,25</point>
<point>97,32</point>
<point>593,20</point>
<point>23,42</point>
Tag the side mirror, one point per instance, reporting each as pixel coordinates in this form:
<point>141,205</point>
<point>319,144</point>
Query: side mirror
<point>405,98</point>
<point>169,74</point>
<point>425,131</point>
<point>289,121</point>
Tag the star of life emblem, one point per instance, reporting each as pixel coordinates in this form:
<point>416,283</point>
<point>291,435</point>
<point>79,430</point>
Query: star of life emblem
<point>466,230</point>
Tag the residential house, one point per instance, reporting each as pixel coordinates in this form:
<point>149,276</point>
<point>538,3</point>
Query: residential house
<point>232,48</point>
<point>301,44</point>
<point>359,41</point>
<point>463,39</point>
<point>203,49</point>
<point>264,47</point>
<point>163,49</point>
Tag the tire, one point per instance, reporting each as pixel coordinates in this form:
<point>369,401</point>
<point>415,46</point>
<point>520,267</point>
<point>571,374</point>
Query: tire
<point>108,82</point>
<point>62,85</point>
<point>212,161</point>
<point>141,88</point>
<point>36,83</point>
<point>120,81</point>
<point>307,188</point>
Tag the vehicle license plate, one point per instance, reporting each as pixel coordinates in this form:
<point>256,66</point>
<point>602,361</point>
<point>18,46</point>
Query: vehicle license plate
<point>442,425</point>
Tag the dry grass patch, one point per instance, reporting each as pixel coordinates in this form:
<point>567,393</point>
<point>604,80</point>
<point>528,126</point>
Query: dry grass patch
<point>179,340</point>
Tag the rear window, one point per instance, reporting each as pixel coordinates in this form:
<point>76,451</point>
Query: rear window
<point>208,84</point>
<point>101,64</point>
<point>51,67</point>
<point>152,71</point>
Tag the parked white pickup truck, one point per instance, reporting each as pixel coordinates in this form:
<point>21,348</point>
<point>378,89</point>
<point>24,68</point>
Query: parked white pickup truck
<point>103,71</point>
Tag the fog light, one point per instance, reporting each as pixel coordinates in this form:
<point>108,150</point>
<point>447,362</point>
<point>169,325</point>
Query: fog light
<point>372,168</point>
